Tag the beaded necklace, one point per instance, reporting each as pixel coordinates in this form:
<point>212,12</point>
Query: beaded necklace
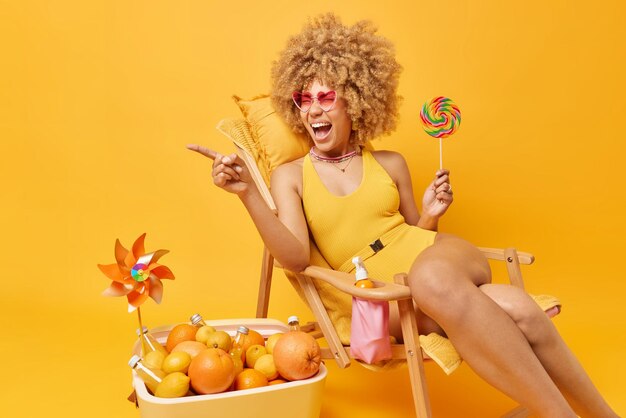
<point>335,160</point>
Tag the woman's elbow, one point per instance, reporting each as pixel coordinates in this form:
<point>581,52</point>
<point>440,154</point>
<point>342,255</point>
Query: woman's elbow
<point>296,265</point>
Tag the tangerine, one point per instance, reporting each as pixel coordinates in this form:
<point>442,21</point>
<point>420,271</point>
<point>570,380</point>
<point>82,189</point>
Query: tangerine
<point>297,355</point>
<point>180,333</point>
<point>251,339</point>
<point>276,382</point>
<point>211,371</point>
<point>249,379</point>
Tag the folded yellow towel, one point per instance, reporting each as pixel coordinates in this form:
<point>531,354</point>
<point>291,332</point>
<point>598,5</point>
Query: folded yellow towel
<point>383,366</point>
<point>547,302</point>
<point>441,351</point>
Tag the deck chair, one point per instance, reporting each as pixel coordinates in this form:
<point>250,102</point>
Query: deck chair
<point>244,132</point>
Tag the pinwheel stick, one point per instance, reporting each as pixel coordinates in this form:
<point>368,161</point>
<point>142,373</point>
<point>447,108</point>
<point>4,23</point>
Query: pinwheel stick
<point>144,349</point>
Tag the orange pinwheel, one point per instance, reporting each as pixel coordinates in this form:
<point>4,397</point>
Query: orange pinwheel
<point>136,274</point>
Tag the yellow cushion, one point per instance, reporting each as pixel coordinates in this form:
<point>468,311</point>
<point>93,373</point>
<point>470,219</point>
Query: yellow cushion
<point>276,142</point>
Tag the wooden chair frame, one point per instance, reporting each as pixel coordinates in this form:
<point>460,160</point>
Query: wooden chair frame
<point>397,292</point>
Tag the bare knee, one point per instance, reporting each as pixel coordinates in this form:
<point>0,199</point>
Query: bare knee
<point>431,284</point>
<point>443,272</point>
<point>522,309</point>
<point>440,291</point>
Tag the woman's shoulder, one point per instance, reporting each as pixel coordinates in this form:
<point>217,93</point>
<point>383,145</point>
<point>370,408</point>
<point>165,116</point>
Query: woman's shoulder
<point>289,167</point>
<point>288,173</point>
<point>393,163</point>
<point>389,159</point>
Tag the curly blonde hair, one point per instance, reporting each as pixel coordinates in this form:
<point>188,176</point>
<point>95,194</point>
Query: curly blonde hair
<point>353,60</point>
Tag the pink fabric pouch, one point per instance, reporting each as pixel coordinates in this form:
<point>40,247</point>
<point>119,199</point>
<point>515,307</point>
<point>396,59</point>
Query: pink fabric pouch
<point>369,338</point>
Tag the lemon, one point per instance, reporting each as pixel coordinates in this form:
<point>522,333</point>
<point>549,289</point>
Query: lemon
<point>154,360</point>
<point>178,361</point>
<point>174,385</point>
<point>265,364</point>
<point>219,339</point>
<point>203,332</point>
<point>253,353</point>
<point>271,341</point>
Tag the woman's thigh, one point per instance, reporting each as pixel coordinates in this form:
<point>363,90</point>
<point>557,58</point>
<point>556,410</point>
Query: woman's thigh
<point>449,263</point>
<point>425,324</point>
<point>446,271</point>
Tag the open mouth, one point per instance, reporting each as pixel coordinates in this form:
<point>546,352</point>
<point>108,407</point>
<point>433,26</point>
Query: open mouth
<point>321,129</point>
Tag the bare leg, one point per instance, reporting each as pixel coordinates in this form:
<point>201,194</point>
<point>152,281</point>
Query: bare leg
<point>444,283</point>
<point>556,358</point>
<point>425,324</point>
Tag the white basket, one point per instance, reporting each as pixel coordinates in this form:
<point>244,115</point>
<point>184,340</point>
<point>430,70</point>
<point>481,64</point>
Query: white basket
<point>298,399</point>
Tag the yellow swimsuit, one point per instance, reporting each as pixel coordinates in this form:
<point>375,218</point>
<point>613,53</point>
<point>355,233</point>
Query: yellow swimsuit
<point>345,226</point>
<point>366,222</point>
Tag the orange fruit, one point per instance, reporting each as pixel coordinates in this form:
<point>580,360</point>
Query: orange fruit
<point>276,382</point>
<point>297,355</point>
<point>193,348</point>
<point>211,371</point>
<point>249,379</point>
<point>180,333</point>
<point>252,338</point>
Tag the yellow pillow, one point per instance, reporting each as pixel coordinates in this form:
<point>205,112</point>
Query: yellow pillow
<point>276,142</point>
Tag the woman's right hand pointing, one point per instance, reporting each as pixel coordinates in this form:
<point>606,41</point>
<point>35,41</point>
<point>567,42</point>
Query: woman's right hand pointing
<point>229,171</point>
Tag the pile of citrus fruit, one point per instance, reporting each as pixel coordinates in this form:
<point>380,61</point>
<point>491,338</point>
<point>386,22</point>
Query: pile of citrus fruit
<point>199,360</point>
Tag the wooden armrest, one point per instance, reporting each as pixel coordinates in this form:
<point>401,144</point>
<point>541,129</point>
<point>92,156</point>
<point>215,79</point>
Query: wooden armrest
<point>391,291</point>
<point>345,283</point>
<point>499,254</point>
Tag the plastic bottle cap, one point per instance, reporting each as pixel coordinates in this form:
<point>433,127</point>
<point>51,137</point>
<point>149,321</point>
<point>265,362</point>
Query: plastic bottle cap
<point>195,318</point>
<point>361,273</point>
<point>292,319</point>
<point>145,329</point>
<point>243,330</point>
<point>134,360</point>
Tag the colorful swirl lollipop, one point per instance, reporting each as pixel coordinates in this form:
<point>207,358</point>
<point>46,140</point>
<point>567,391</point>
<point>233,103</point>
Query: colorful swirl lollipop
<point>441,118</point>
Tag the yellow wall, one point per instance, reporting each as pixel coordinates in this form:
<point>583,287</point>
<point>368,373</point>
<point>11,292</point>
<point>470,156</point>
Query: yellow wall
<point>98,99</point>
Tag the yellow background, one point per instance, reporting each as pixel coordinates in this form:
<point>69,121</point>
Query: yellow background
<point>98,99</point>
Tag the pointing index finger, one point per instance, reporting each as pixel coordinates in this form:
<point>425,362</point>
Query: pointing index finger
<point>209,153</point>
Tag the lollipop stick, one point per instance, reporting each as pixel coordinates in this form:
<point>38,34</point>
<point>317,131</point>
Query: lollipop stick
<point>440,153</point>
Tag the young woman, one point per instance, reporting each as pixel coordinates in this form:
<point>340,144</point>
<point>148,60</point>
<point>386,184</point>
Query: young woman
<point>338,84</point>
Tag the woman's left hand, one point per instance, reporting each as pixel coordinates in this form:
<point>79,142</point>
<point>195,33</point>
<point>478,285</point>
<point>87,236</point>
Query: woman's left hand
<point>438,195</point>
